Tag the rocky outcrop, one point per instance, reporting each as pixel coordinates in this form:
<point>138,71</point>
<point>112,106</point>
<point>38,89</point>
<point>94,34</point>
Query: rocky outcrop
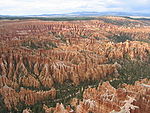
<point>26,111</point>
<point>107,99</point>
<point>29,97</point>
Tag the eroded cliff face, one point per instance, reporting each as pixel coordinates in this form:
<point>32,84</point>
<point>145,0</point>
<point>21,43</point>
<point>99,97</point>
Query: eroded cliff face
<point>12,98</point>
<point>76,63</point>
<point>18,70</point>
<point>37,57</point>
<point>107,99</point>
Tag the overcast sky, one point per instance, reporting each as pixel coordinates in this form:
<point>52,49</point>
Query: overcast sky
<point>34,7</point>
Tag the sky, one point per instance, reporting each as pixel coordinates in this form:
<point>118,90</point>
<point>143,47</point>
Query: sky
<point>36,7</point>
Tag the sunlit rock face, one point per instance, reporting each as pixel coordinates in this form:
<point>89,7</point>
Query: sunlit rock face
<point>107,99</point>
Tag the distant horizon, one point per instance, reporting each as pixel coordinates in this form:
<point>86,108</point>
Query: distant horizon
<point>39,7</point>
<point>85,13</point>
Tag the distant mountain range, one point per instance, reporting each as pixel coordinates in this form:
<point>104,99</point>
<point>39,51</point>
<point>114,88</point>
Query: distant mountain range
<point>76,14</point>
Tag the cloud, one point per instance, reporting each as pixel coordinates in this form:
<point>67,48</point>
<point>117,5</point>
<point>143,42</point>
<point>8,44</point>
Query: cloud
<point>28,7</point>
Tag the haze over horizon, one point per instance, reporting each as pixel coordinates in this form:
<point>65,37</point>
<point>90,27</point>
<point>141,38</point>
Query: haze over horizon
<point>36,7</point>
